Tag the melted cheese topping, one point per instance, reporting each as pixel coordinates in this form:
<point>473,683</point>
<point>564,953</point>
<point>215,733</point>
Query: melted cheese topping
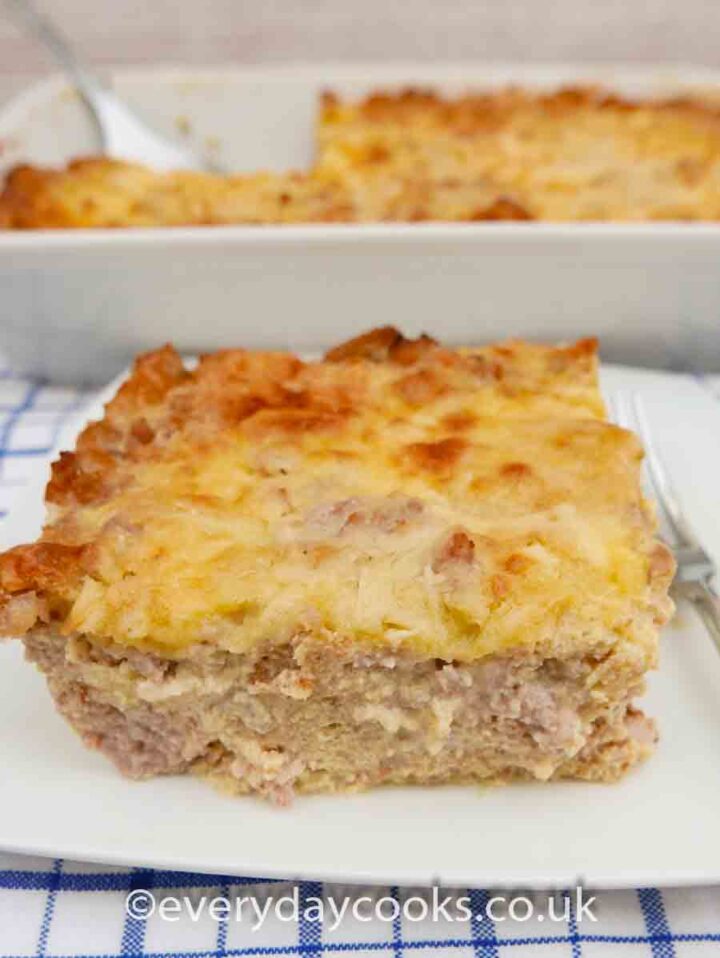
<point>99,192</point>
<point>450,503</point>
<point>571,155</point>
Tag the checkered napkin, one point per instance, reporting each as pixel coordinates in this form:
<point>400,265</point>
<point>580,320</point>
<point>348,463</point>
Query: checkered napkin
<point>62,908</point>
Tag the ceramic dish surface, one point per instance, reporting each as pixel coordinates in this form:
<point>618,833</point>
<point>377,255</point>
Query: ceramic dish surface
<point>80,303</point>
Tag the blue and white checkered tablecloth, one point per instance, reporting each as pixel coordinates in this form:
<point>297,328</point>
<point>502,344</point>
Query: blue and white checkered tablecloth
<point>62,908</point>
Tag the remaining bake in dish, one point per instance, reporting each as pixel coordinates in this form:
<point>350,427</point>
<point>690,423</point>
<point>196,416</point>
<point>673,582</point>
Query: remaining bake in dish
<point>401,564</point>
<point>576,154</point>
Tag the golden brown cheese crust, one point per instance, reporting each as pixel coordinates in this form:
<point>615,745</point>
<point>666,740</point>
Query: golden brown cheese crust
<point>453,503</point>
<point>103,193</point>
<point>577,154</point>
<point>99,192</point>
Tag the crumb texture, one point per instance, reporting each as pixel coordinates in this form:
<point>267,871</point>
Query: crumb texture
<point>306,718</point>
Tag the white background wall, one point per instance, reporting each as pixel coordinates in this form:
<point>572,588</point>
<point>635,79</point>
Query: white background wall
<point>207,31</point>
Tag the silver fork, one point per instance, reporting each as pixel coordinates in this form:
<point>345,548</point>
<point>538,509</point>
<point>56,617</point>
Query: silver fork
<point>123,135</point>
<point>695,569</point>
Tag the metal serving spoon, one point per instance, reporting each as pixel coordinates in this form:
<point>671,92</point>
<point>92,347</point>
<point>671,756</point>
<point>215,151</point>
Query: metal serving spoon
<point>123,135</point>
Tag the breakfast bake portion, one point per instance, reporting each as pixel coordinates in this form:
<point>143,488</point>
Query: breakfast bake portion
<point>401,564</point>
<point>99,192</point>
<point>570,155</point>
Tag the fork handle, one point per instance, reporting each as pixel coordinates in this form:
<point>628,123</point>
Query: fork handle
<point>707,602</point>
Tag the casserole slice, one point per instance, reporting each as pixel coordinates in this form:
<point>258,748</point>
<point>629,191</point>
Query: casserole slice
<point>401,564</point>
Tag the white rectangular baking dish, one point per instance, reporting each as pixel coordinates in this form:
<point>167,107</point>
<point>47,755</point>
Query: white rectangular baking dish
<point>76,305</point>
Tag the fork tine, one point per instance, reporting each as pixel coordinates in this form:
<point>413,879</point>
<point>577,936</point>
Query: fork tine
<point>695,568</point>
<point>622,414</point>
<point>610,407</point>
<point>625,414</point>
<point>660,479</point>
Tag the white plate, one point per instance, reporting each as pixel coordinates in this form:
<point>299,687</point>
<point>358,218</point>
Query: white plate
<point>79,303</point>
<point>659,826</point>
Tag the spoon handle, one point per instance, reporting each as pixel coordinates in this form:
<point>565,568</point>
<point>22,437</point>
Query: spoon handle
<point>37,24</point>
